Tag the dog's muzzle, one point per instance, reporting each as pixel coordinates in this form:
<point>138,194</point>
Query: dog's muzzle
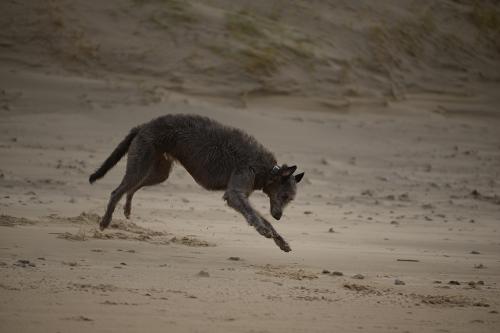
<point>276,214</point>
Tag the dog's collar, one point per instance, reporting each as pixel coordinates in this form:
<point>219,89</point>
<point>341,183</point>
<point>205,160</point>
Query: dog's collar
<point>275,170</point>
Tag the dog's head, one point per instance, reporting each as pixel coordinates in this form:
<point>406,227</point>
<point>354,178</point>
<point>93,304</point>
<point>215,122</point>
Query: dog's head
<point>281,188</point>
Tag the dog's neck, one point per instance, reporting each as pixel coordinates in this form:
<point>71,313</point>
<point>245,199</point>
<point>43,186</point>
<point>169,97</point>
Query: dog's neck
<point>263,176</point>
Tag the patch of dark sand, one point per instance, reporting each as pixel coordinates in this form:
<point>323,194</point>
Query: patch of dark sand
<point>119,229</point>
<point>87,287</point>
<point>364,289</point>
<point>191,241</point>
<point>84,218</point>
<point>79,236</point>
<point>12,221</point>
<point>286,272</point>
<point>6,287</point>
<point>118,303</point>
<point>153,237</point>
<point>448,300</point>
<point>475,194</point>
<point>437,300</point>
<point>79,318</point>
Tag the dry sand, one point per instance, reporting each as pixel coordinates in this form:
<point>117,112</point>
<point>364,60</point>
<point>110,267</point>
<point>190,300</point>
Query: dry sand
<point>394,229</point>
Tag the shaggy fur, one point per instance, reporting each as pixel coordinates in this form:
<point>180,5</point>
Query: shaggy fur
<point>218,157</point>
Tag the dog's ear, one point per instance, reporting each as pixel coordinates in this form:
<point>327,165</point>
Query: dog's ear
<point>298,177</point>
<point>288,171</point>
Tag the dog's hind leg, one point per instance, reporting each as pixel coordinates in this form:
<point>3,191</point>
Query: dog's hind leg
<point>157,174</point>
<point>139,163</point>
<point>236,195</point>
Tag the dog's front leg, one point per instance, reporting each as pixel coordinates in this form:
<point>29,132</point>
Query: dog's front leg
<point>280,241</point>
<point>236,196</point>
<point>239,202</point>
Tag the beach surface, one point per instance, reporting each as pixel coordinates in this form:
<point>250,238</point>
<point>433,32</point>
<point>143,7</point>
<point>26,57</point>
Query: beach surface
<point>395,226</point>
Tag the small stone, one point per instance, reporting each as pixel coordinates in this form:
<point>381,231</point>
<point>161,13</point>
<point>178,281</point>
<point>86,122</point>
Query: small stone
<point>203,274</point>
<point>453,282</point>
<point>494,311</point>
<point>358,276</point>
<point>234,258</point>
<point>331,230</point>
<point>123,264</point>
<point>308,212</point>
<point>24,263</point>
<point>404,197</point>
<point>475,252</point>
<point>438,282</point>
<point>337,273</point>
<point>325,271</point>
<point>368,193</point>
<point>479,266</point>
<point>399,282</point>
<point>394,222</point>
<point>481,304</point>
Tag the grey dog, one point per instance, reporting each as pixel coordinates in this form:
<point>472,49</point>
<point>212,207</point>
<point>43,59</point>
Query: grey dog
<point>218,157</point>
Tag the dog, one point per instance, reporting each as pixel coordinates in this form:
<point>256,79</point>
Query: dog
<point>218,157</point>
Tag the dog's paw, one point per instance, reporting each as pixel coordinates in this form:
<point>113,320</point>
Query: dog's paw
<point>283,245</point>
<point>103,225</point>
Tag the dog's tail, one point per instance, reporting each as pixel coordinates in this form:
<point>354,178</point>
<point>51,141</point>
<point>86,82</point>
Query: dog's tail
<point>115,156</point>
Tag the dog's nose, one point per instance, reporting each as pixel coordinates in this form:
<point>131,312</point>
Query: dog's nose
<point>277,215</point>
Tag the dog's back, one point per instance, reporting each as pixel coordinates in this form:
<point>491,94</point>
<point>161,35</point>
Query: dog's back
<point>208,150</point>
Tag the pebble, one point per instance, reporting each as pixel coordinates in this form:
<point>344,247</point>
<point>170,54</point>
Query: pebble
<point>24,263</point>
<point>358,276</point>
<point>399,282</point>
<point>203,274</point>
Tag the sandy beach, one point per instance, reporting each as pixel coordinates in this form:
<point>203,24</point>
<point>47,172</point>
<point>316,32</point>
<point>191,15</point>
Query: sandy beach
<point>395,227</point>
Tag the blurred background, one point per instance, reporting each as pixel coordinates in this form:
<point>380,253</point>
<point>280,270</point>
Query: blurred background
<point>333,54</point>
